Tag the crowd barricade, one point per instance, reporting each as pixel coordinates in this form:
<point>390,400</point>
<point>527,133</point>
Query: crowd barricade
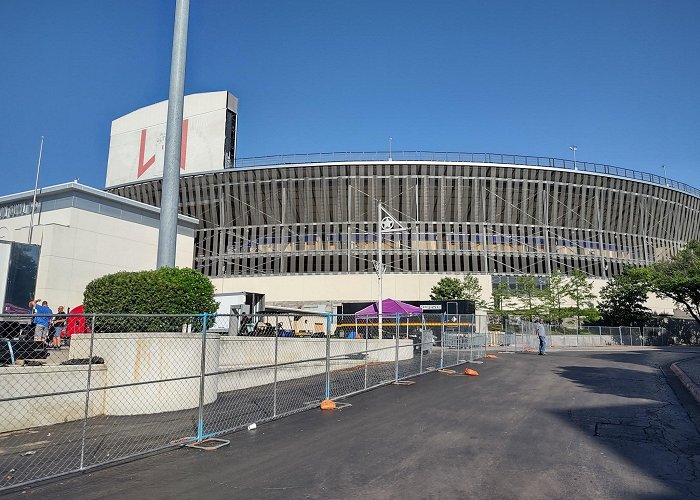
<point>125,385</point>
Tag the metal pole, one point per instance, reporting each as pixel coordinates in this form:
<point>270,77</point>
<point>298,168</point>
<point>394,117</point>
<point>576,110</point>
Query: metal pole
<point>202,371</point>
<point>274,384</point>
<point>396,353</point>
<point>167,235</point>
<point>36,187</point>
<point>366,349</point>
<point>380,267</point>
<point>328,358</point>
<point>459,334</point>
<point>545,201</point>
<point>87,395</point>
<point>471,340</point>
<point>422,330</point>
<point>442,341</point>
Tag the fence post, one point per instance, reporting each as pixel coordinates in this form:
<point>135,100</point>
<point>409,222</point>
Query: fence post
<point>619,329</point>
<point>87,394</point>
<point>366,351</point>
<point>274,382</point>
<point>328,356</point>
<point>600,336</point>
<point>442,340</point>
<point>396,354</point>
<point>202,371</point>
<point>422,339</point>
<point>471,339</point>
<point>459,334</point>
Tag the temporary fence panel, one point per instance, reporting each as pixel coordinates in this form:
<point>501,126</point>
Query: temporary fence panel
<point>139,383</point>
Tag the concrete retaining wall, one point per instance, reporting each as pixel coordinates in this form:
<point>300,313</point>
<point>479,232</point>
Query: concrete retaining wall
<point>131,382</point>
<point>250,352</point>
<point>146,359</point>
<point>24,381</point>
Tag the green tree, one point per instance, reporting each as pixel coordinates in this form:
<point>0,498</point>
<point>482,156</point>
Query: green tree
<point>529,296</point>
<point>622,300</point>
<point>471,290</point>
<point>677,278</point>
<point>554,296</point>
<point>582,297</point>
<point>448,289</point>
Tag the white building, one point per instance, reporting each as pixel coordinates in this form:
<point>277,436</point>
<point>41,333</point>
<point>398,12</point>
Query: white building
<point>85,233</point>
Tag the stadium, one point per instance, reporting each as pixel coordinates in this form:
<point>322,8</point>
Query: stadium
<point>304,228</point>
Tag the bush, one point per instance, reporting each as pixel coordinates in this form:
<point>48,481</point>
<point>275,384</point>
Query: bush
<point>166,291</point>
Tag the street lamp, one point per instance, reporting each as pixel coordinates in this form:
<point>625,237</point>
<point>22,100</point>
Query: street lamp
<point>665,176</point>
<point>573,148</point>
<point>386,223</point>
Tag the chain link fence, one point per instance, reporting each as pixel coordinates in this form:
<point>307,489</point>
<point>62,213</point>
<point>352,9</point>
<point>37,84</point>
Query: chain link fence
<point>120,386</point>
<point>519,335</point>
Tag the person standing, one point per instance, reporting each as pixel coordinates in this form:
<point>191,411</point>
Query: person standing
<point>42,320</point>
<point>59,325</point>
<point>542,335</point>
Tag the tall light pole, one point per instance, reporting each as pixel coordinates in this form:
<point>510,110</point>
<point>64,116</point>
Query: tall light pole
<point>36,187</point>
<point>386,223</point>
<point>170,197</point>
<point>574,148</point>
<point>665,176</point>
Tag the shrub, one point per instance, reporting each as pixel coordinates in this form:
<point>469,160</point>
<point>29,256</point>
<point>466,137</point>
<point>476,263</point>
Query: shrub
<point>166,291</point>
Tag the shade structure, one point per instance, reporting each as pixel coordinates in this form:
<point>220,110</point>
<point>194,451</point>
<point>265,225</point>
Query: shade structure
<point>389,306</point>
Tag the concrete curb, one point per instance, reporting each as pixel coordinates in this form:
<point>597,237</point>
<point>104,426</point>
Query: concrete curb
<point>692,387</point>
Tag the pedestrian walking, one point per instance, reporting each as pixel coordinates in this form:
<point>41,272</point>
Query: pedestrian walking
<point>542,335</point>
<point>42,320</point>
<point>59,325</point>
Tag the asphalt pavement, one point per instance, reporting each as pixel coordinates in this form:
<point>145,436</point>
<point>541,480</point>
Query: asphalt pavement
<point>595,424</point>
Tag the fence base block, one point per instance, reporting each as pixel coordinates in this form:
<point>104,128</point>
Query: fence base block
<point>209,444</point>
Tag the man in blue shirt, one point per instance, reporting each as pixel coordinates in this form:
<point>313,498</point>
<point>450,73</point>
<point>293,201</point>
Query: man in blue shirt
<point>42,319</point>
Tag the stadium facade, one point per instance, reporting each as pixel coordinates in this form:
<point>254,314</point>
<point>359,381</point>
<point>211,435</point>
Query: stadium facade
<point>304,228</point>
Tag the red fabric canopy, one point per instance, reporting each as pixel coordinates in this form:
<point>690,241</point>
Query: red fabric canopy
<point>389,306</point>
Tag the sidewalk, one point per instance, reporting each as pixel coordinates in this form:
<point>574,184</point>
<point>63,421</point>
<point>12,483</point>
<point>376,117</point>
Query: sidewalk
<point>688,372</point>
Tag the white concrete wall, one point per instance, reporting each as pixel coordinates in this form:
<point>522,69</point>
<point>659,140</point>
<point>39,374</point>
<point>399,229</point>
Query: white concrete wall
<point>78,246</point>
<point>336,288</point>
<point>26,381</point>
<point>249,352</point>
<point>139,358</point>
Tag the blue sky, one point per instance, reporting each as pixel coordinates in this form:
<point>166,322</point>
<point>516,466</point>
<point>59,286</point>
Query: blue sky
<point>620,79</point>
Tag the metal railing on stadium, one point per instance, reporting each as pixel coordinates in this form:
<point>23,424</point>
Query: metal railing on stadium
<point>496,158</point>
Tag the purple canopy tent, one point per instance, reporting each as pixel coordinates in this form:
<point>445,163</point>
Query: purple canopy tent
<point>390,306</point>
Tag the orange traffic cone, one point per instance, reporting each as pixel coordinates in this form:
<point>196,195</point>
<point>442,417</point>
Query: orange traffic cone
<point>328,404</point>
<point>491,356</point>
<point>471,372</point>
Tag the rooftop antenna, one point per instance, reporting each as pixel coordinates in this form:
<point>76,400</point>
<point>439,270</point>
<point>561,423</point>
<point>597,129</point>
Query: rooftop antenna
<point>36,187</point>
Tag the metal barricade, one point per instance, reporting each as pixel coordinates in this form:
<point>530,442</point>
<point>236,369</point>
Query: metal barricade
<point>126,385</point>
